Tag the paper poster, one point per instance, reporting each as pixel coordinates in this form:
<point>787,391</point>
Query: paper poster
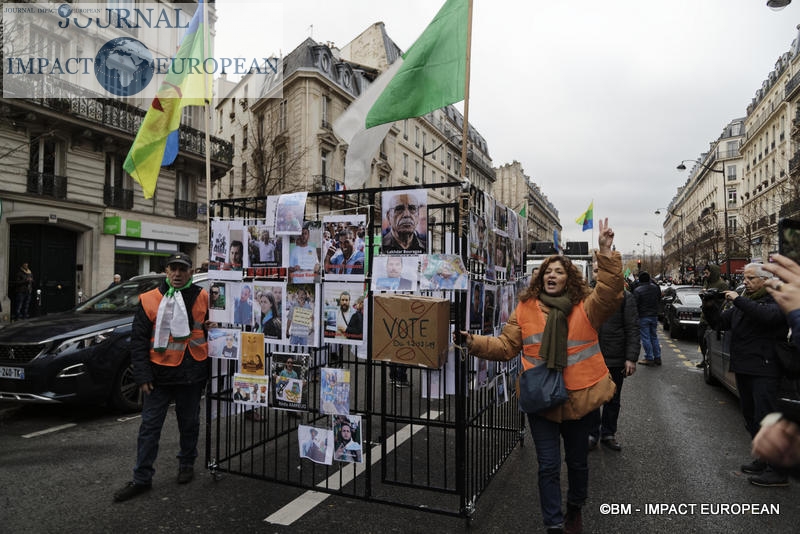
<point>476,306</point>
<point>265,249</point>
<point>302,314</point>
<point>395,272</point>
<point>443,271</point>
<point>432,386</point>
<point>251,359</point>
<point>224,343</point>
<point>344,248</point>
<point>290,380</point>
<point>304,253</point>
<point>404,229</point>
<point>290,213</point>
<point>316,444</point>
<point>489,307</point>
<point>344,313</point>
<point>481,372</point>
<point>269,310</point>
<point>500,389</point>
<point>477,237</point>
<point>334,395</point>
<point>227,257</point>
<point>347,438</point>
<point>250,389</point>
<point>220,302</point>
<point>243,303</point>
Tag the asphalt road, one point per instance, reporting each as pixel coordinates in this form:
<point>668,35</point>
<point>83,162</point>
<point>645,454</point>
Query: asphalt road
<point>683,443</point>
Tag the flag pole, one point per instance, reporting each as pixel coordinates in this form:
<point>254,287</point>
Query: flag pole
<point>465,131</point>
<point>207,112</point>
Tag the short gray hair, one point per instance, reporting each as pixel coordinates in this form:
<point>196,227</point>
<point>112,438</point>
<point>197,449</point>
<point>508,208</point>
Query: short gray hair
<point>759,269</point>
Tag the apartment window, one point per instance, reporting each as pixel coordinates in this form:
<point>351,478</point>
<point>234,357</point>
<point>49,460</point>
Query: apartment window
<point>731,225</point>
<point>281,165</point>
<point>45,168</point>
<point>185,206</point>
<point>433,176</point>
<point>323,162</point>
<point>324,112</point>
<point>405,129</point>
<point>231,182</point>
<point>405,164</point>
<point>244,99</point>
<point>233,141</point>
<point>118,187</point>
<point>449,159</point>
<point>731,172</point>
<point>416,136</point>
<point>244,137</point>
<point>183,186</point>
<point>424,141</point>
<point>282,112</point>
<point>416,171</point>
<point>232,113</point>
<point>244,176</point>
<point>731,196</point>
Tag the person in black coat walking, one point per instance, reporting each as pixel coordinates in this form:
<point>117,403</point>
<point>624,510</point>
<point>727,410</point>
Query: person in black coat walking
<point>620,345</point>
<point>756,324</point>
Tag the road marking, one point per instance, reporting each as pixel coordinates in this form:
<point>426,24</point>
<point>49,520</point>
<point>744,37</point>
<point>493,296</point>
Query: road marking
<point>310,499</point>
<point>48,430</point>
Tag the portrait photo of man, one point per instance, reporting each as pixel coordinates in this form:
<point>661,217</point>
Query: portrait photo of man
<point>404,229</point>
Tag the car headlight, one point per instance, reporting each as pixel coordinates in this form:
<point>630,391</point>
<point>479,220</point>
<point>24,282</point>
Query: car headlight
<point>83,342</point>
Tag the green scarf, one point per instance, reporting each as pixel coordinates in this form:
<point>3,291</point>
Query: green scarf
<point>756,295</point>
<point>171,291</point>
<point>554,337</point>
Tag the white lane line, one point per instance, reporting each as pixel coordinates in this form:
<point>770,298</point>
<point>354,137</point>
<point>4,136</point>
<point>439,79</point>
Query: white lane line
<point>308,500</point>
<point>48,430</point>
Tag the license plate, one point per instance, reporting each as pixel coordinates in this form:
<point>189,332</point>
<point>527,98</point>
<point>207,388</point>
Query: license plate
<point>17,373</point>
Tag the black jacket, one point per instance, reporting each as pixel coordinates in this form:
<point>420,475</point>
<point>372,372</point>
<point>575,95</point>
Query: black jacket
<point>756,326</point>
<point>190,371</point>
<point>647,298</point>
<point>619,335</point>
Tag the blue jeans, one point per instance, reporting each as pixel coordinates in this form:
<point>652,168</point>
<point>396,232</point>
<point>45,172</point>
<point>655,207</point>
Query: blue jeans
<point>22,304</point>
<point>154,411</point>
<point>547,439</point>
<point>604,424</point>
<point>648,329</point>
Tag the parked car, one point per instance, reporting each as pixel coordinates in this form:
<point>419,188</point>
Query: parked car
<point>682,310</point>
<point>81,355</point>
<point>718,360</point>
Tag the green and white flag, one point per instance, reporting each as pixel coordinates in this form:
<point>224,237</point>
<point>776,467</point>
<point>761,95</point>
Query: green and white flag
<point>429,76</point>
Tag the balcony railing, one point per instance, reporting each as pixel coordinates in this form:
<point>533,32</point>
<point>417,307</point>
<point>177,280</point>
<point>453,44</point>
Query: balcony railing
<point>47,185</point>
<point>65,97</point>
<point>185,209</point>
<point>117,197</point>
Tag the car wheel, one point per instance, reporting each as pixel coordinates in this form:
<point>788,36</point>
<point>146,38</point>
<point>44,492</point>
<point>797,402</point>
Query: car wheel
<point>125,394</point>
<point>674,331</point>
<point>708,376</point>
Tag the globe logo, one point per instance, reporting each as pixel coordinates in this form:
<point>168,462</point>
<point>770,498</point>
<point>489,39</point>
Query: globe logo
<point>65,10</point>
<point>124,66</point>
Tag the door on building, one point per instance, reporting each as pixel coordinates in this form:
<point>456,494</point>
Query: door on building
<point>50,252</point>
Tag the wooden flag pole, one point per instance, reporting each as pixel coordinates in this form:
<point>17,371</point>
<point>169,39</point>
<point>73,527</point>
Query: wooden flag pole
<point>465,131</point>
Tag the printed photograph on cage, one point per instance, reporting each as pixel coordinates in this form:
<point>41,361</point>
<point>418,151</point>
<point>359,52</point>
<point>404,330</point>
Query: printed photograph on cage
<point>290,379</point>
<point>344,247</point>
<point>344,313</point>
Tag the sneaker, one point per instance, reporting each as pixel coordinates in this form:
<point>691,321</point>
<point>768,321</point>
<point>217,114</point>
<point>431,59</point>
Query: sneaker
<point>131,490</point>
<point>756,467</point>
<point>185,474</point>
<point>573,523</point>
<point>645,362</point>
<point>701,365</point>
<point>769,479</point>
<point>612,443</point>
<point>657,361</point>
<point>592,443</point>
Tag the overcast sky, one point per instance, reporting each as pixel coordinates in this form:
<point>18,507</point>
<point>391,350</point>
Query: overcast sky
<point>597,99</point>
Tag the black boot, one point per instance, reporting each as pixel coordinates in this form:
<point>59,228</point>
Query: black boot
<point>574,520</point>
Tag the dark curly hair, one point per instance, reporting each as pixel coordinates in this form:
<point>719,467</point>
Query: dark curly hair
<point>576,287</point>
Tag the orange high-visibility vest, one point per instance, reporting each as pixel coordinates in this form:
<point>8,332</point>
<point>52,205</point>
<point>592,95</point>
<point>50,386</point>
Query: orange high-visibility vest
<point>585,364</point>
<point>196,342</point>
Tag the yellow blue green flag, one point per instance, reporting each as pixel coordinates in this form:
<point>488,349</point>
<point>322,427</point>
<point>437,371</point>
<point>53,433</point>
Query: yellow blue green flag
<point>156,143</point>
<point>587,219</point>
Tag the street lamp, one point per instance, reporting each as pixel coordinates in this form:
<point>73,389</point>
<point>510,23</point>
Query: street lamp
<point>661,237</point>
<point>680,235</point>
<point>682,167</point>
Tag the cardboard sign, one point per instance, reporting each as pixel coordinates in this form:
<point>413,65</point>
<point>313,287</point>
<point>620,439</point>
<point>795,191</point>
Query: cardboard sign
<point>411,330</point>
